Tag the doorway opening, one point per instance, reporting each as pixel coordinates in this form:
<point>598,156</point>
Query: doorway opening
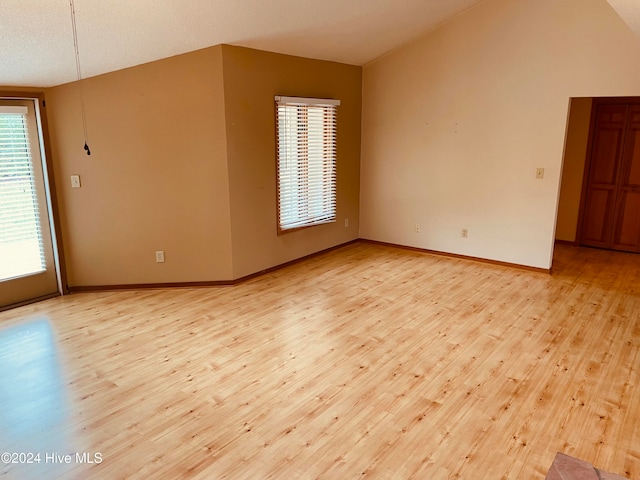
<point>599,203</point>
<point>29,255</point>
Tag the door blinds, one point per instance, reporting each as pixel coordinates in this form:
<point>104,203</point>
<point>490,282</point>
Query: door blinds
<point>21,251</point>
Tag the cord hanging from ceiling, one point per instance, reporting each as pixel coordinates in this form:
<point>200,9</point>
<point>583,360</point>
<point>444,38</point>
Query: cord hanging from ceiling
<point>79,73</point>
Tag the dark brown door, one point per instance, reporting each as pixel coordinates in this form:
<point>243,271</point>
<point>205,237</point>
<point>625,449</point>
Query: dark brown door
<point>611,209</point>
<point>602,187</point>
<point>626,231</point>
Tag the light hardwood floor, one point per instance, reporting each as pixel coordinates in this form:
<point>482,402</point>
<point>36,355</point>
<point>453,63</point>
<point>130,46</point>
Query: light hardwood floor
<point>368,361</point>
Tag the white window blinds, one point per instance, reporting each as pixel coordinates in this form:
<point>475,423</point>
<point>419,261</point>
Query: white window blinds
<point>306,158</point>
<point>21,251</point>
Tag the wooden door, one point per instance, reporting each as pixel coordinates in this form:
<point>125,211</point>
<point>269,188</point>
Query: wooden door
<point>626,231</point>
<point>606,156</point>
<point>611,208</point>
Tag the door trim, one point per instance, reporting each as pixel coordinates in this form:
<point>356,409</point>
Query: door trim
<point>50,185</point>
<point>596,102</point>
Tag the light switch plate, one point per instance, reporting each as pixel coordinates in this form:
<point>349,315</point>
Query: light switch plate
<point>75,181</point>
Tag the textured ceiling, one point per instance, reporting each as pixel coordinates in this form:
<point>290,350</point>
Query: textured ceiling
<point>36,41</point>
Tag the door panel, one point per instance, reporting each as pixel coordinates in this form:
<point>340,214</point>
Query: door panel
<point>627,232</point>
<point>608,145</point>
<point>599,204</point>
<point>27,263</point>
<point>606,155</point>
<point>632,154</point>
<point>627,221</point>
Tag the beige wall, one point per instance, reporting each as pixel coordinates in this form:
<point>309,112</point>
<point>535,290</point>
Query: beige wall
<point>156,179</point>
<point>183,160</point>
<point>26,90</point>
<point>251,80</point>
<point>575,154</point>
<point>456,123</point>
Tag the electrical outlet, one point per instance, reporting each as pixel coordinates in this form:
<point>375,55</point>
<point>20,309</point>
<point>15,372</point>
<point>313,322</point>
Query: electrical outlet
<point>539,173</point>
<point>417,228</point>
<point>465,233</point>
<point>160,256</point>
<point>346,222</point>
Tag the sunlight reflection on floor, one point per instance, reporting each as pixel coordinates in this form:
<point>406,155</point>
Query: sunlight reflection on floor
<point>33,405</point>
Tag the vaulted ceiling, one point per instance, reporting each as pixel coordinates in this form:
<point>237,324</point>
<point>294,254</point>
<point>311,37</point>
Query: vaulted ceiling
<point>36,40</point>
<point>629,11</point>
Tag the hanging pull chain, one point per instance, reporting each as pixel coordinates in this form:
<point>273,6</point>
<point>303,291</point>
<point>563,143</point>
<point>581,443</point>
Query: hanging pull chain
<point>79,74</point>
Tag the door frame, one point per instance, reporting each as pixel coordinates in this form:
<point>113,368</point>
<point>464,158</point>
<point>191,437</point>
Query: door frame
<point>50,188</point>
<point>596,101</point>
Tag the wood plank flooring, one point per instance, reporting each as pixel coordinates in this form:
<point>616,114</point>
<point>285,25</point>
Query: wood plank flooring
<point>365,362</point>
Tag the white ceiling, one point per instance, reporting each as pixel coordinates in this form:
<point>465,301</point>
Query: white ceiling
<point>629,10</point>
<point>36,40</point>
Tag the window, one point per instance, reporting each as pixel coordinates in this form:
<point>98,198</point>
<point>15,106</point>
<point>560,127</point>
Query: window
<point>306,157</point>
<point>21,244</point>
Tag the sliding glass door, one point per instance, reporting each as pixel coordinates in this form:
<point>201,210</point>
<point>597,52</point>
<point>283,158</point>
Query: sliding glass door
<point>27,263</point>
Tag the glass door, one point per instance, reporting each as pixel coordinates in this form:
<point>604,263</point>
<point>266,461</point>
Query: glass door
<point>27,262</point>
